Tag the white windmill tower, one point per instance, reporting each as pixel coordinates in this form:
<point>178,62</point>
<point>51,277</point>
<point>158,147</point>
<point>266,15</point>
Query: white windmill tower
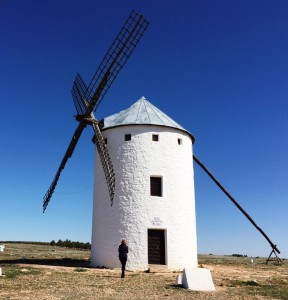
<point>154,202</point>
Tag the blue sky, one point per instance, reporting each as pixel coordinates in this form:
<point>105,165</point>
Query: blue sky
<point>219,68</point>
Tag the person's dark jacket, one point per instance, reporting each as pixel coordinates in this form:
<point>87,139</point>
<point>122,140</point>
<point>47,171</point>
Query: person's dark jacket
<point>123,250</point>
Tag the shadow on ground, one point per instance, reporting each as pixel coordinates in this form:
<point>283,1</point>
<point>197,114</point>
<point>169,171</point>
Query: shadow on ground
<point>64,262</point>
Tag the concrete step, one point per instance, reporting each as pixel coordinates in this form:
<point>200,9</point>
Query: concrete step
<point>158,269</point>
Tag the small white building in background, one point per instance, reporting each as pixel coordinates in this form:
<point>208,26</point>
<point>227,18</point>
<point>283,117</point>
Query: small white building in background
<point>2,247</point>
<point>154,203</point>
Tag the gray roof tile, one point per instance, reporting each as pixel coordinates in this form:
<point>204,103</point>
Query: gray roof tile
<point>141,112</point>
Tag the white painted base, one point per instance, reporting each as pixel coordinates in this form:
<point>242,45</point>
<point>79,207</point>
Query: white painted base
<point>197,279</point>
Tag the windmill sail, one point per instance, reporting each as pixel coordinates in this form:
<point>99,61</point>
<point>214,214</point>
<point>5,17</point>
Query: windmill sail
<point>67,155</point>
<point>87,99</point>
<point>105,161</point>
<point>115,58</point>
<point>79,94</point>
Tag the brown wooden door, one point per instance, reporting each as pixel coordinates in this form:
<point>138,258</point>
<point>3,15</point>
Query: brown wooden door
<point>156,247</point>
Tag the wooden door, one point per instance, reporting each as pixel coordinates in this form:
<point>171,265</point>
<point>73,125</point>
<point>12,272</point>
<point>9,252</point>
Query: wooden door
<point>156,247</point>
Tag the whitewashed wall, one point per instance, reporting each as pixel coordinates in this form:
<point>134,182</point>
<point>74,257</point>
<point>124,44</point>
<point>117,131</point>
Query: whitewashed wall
<point>134,210</point>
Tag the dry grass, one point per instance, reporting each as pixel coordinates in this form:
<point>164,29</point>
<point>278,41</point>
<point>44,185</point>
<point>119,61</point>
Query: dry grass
<point>38,272</point>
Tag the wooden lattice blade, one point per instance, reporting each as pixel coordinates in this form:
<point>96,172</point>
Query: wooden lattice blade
<point>115,58</point>
<point>67,155</point>
<point>80,95</point>
<point>105,161</point>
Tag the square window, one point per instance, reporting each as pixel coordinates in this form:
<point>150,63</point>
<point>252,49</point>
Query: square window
<point>155,137</point>
<point>156,186</point>
<point>127,137</point>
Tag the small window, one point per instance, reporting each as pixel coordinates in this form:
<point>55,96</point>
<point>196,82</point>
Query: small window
<point>179,141</point>
<point>155,137</point>
<point>105,140</point>
<point>156,186</point>
<point>127,137</point>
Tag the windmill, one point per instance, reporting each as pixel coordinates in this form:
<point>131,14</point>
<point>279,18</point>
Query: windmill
<point>155,208</point>
<point>87,98</point>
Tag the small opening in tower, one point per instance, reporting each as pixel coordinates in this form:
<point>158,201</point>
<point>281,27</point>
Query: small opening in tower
<point>179,141</point>
<point>155,137</point>
<point>127,137</point>
<point>156,186</point>
<point>105,140</point>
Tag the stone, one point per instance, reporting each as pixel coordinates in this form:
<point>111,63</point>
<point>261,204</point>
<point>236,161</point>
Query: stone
<point>197,279</point>
<point>178,279</point>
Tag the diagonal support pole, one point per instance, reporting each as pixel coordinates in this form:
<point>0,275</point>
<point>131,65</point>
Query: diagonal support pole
<point>273,246</point>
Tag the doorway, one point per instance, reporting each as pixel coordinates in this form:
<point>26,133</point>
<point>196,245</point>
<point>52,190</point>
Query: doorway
<point>156,247</point>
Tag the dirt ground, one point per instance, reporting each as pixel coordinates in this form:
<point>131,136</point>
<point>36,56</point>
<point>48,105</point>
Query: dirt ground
<point>46,273</point>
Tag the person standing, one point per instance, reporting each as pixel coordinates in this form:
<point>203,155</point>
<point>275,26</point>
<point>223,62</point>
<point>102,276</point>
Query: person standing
<point>123,254</point>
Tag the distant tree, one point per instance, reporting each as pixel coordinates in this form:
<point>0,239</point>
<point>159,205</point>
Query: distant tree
<point>87,246</point>
<point>71,244</point>
<point>67,243</point>
<point>239,255</point>
<point>59,243</point>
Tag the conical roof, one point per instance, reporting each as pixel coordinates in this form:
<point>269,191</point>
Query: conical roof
<point>142,112</point>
